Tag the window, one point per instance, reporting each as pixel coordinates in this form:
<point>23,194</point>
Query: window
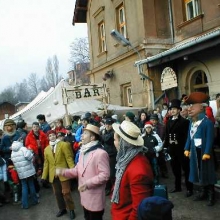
<point>199,82</point>
<point>102,41</point>
<point>127,95</point>
<point>121,24</point>
<point>192,8</point>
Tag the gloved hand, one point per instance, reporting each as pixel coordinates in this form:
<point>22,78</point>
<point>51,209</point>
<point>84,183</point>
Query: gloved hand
<point>205,157</point>
<point>82,188</point>
<point>187,153</point>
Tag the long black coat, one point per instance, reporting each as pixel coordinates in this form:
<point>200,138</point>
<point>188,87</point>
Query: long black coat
<point>176,130</point>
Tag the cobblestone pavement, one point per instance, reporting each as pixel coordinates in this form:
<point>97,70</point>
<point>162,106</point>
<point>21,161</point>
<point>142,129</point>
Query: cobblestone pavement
<point>184,208</point>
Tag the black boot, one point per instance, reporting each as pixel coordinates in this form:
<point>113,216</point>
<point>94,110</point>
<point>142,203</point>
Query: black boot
<point>202,194</point>
<point>211,195</point>
<point>72,214</point>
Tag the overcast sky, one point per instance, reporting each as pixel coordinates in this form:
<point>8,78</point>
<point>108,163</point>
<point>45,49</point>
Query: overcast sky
<point>31,31</point>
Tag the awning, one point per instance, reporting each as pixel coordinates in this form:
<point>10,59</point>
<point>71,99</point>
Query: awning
<point>190,46</point>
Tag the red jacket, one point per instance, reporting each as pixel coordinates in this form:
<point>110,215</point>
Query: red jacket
<point>136,184</point>
<point>31,141</point>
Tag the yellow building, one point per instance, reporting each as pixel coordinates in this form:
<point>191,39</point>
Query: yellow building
<point>182,35</point>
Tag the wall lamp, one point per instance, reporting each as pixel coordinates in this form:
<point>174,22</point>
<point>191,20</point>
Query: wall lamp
<point>120,38</point>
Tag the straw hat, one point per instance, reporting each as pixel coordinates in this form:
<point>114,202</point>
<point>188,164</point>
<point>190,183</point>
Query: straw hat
<point>92,128</point>
<point>129,132</point>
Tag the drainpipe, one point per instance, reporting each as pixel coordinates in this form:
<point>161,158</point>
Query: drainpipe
<point>151,91</point>
<point>171,20</point>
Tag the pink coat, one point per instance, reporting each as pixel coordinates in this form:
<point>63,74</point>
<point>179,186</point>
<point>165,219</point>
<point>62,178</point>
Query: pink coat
<point>95,173</point>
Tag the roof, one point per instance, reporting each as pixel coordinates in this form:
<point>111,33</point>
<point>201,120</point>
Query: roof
<point>6,102</point>
<point>184,48</point>
<point>80,11</point>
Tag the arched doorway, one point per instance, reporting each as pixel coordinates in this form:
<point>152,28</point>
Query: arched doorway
<point>199,82</point>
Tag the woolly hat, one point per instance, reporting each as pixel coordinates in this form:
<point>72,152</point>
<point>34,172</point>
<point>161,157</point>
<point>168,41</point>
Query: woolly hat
<point>154,116</point>
<point>16,145</point>
<point>129,132</point>
<point>196,97</point>
<point>9,122</point>
<point>51,132</point>
<point>130,115</point>
<point>148,124</point>
<point>155,207</point>
<point>109,121</point>
<point>92,128</point>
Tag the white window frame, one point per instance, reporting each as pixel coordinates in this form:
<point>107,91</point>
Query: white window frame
<point>102,37</point>
<point>129,96</point>
<point>121,23</point>
<point>192,8</point>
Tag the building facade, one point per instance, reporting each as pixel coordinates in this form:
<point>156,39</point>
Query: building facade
<point>182,35</point>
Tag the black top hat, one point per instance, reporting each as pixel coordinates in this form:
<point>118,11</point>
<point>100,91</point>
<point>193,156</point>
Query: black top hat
<point>175,103</point>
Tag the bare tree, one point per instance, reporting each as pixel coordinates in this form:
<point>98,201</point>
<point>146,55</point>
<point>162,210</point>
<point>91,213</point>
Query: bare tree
<point>33,84</point>
<point>22,91</point>
<point>52,72</point>
<point>79,51</point>
<point>44,85</point>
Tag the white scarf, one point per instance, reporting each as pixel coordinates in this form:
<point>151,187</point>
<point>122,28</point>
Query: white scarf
<point>86,147</point>
<point>53,145</point>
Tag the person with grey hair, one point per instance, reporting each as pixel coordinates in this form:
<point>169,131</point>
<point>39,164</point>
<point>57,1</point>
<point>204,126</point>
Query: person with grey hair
<point>132,185</point>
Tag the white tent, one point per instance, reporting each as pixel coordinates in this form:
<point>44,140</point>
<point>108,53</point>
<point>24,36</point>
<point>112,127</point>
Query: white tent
<point>51,105</point>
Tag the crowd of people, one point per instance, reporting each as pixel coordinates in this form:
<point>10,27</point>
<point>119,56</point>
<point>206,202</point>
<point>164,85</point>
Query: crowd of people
<point>123,159</point>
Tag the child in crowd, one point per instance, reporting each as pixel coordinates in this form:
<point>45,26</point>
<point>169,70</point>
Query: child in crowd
<point>152,145</point>
<point>23,162</point>
<point>14,182</point>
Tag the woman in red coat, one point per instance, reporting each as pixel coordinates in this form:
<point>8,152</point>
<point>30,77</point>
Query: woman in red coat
<point>134,176</point>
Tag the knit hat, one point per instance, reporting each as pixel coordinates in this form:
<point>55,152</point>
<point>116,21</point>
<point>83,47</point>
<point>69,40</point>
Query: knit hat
<point>154,116</point>
<point>130,115</point>
<point>148,124</point>
<point>155,207</point>
<point>129,132</point>
<point>51,132</point>
<point>9,122</point>
<point>109,121</point>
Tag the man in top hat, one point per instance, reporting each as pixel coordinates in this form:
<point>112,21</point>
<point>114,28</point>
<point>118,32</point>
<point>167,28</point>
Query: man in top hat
<point>59,154</point>
<point>92,172</point>
<point>199,147</point>
<point>175,139</point>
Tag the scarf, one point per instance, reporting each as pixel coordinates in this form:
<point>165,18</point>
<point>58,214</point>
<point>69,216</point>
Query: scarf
<point>53,145</point>
<point>125,154</point>
<point>85,147</point>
